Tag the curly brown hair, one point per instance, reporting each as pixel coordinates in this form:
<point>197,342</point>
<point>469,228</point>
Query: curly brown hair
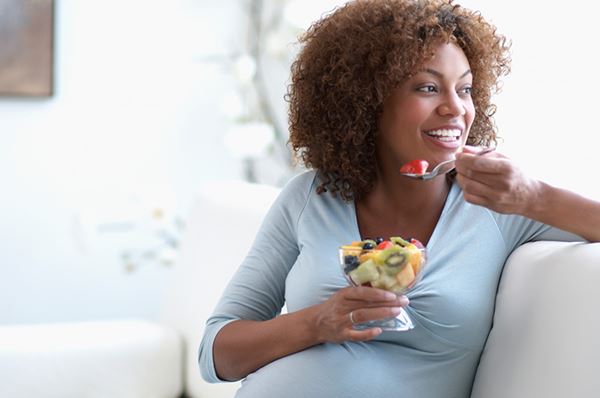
<point>353,58</point>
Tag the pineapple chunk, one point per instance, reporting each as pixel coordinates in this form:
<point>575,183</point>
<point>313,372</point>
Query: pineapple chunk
<point>370,255</point>
<point>366,272</point>
<point>406,276</point>
<point>415,259</point>
<point>384,281</point>
<point>351,250</point>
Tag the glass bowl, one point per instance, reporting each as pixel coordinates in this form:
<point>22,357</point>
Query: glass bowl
<point>394,265</point>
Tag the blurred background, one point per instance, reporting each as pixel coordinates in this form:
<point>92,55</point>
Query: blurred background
<point>152,99</point>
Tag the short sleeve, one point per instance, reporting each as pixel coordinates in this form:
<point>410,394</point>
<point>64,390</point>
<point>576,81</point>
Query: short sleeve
<point>517,230</point>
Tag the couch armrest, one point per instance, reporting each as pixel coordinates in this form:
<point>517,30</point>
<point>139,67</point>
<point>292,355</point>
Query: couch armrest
<point>220,230</point>
<point>545,340</point>
<point>117,359</point>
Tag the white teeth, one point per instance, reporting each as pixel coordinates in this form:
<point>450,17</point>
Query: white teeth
<point>446,139</point>
<point>444,135</point>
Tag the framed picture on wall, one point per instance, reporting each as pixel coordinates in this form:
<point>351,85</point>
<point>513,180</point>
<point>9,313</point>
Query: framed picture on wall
<point>26,48</point>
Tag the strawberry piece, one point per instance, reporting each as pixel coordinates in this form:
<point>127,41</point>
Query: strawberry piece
<point>417,243</point>
<point>386,244</point>
<point>417,166</point>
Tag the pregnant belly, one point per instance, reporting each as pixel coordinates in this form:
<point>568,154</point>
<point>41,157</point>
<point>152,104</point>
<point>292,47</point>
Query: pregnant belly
<point>359,370</point>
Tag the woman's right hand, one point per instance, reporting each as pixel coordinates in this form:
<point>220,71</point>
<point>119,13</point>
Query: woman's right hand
<point>242,346</point>
<point>334,317</point>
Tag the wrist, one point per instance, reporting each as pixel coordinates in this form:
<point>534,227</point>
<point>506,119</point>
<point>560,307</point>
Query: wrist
<point>312,324</point>
<point>537,204</point>
<point>305,323</point>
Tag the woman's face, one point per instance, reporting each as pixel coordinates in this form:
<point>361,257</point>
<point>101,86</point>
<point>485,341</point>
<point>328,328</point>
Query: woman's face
<point>429,116</point>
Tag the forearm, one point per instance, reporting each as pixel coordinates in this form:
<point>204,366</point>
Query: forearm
<point>244,346</point>
<point>566,210</point>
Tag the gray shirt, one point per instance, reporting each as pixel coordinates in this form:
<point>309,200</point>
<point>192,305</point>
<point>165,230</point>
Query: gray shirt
<point>293,261</point>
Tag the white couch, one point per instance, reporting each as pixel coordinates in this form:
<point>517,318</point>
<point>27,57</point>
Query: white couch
<point>544,342</point>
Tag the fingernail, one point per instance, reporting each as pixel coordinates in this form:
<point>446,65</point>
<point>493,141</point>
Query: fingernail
<point>403,300</point>
<point>396,310</point>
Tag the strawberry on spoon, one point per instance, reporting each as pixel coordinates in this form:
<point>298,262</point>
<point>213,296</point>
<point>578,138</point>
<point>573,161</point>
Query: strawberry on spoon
<point>416,167</point>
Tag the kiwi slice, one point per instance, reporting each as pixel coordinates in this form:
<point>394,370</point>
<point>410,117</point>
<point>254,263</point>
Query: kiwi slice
<point>399,241</point>
<point>393,259</point>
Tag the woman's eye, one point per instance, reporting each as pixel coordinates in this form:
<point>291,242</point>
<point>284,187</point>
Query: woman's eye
<point>467,90</point>
<point>427,89</point>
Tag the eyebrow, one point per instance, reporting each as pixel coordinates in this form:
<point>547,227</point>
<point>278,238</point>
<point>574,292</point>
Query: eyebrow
<point>441,75</point>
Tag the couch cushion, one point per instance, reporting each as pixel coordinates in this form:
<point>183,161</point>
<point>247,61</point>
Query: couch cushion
<point>545,341</point>
<point>116,359</point>
<point>220,229</point>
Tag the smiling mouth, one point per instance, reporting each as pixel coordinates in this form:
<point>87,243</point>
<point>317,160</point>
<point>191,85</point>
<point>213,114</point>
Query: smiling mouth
<point>445,135</point>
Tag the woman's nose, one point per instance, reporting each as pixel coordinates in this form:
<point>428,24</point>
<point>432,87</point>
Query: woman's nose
<point>452,105</point>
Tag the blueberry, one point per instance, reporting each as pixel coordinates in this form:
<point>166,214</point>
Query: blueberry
<point>368,246</point>
<point>379,239</point>
<point>350,263</point>
<point>350,259</point>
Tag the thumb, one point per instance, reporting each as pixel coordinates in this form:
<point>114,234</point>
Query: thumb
<point>470,149</point>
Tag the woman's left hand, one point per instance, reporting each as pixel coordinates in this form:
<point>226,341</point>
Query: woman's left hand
<point>494,181</point>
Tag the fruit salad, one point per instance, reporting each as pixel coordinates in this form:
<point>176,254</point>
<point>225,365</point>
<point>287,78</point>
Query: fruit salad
<point>390,264</point>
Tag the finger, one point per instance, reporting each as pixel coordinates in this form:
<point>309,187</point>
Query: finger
<point>471,149</point>
<point>363,335</point>
<point>480,163</point>
<point>483,177</point>
<point>493,182</point>
<point>478,187</point>
<point>370,294</point>
<point>363,315</point>
<point>400,301</point>
<point>476,200</point>
<point>479,151</point>
<point>468,164</point>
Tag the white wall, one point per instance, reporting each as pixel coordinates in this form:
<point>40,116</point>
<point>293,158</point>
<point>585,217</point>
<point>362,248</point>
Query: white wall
<point>135,122</point>
<point>548,109</point>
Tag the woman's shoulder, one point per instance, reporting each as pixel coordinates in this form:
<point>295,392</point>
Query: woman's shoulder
<point>300,185</point>
<point>297,191</point>
<point>302,181</point>
<point>300,194</point>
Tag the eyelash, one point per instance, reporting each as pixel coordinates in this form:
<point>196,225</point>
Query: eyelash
<point>466,90</point>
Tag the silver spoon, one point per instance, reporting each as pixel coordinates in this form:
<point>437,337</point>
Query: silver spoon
<point>437,169</point>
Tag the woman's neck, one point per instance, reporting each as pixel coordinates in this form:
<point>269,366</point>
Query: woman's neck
<point>402,206</point>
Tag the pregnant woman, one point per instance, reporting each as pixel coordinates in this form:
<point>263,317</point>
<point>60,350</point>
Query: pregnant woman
<point>377,84</point>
